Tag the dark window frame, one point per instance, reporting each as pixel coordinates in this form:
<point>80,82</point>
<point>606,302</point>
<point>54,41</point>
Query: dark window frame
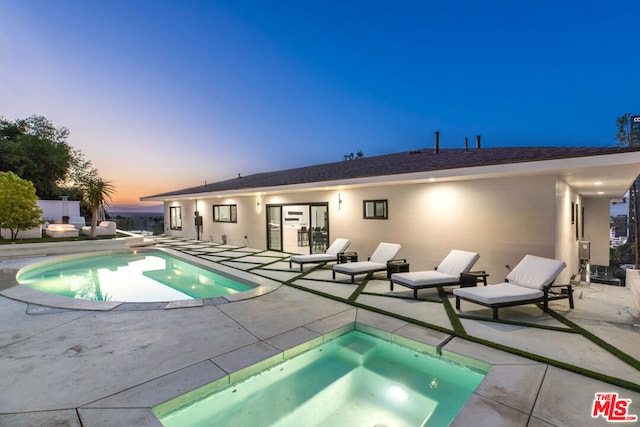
<point>232,214</point>
<point>175,219</point>
<point>384,203</point>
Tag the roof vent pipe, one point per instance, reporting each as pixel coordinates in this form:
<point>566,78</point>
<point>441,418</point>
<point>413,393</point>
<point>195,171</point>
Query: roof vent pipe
<point>437,141</point>
<point>478,140</point>
<point>466,144</point>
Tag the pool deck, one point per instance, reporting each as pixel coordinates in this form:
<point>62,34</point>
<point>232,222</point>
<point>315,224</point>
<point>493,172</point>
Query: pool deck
<point>76,365</point>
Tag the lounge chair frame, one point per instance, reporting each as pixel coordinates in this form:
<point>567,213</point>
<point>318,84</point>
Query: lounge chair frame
<point>382,256</point>
<point>321,262</point>
<point>321,258</point>
<point>549,295</point>
<point>454,280</point>
<point>418,287</point>
<point>353,274</point>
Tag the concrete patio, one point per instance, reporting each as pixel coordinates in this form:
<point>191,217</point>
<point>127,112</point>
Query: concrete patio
<point>64,363</point>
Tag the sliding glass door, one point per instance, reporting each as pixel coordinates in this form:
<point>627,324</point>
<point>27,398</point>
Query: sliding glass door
<point>319,221</point>
<point>274,227</point>
<point>298,228</point>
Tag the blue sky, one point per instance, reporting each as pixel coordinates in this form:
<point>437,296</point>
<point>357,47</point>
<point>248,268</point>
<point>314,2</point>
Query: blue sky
<point>163,95</point>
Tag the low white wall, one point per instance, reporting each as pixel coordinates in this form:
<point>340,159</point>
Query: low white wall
<point>633,283</point>
<point>32,233</point>
<point>59,248</point>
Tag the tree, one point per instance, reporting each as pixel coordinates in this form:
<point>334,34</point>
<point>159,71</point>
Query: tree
<point>351,156</point>
<point>623,134</point>
<point>79,172</point>
<point>97,194</point>
<point>35,150</point>
<point>624,137</point>
<point>18,204</point>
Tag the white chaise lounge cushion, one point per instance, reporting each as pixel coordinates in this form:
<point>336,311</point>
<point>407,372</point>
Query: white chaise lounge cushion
<point>385,252</point>
<point>359,267</point>
<point>535,272</point>
<point>378,261</point>
<point>526,281</point>
<point>311,258</point>
<point>423,278</point>
<point>498,294</point>
<point>457,262</point>
<point>449,270</point>
<point>338,245</point>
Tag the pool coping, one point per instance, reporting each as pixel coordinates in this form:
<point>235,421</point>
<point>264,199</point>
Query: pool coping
<point>40,249</point>
<point>16,291</point>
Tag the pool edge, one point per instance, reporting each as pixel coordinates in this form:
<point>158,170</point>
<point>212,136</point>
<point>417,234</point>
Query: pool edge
<point>18,292</point>
<point>162,409</point>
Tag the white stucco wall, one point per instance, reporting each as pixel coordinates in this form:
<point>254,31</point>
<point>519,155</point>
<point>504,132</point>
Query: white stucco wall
<point>596,230</point>
<point>566,220</point>
<point>502,219</point>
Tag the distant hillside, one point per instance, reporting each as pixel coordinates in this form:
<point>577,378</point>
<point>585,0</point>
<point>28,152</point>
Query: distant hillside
<point>129,218</point>
<point>123,209</point>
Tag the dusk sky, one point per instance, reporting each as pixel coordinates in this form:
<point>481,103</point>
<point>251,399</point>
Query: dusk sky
<point>163,95</point>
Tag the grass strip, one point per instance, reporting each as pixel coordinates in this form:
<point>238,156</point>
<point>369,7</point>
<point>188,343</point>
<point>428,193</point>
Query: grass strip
<point>558,364</point>
<point>374,309</point>
<point>451,313</point>
<point>629,360</point>
<point>359,289</point>
<point>515,323</point>
<point>402,297</point>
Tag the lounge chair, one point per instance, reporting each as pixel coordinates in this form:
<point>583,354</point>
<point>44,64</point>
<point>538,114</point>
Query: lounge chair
<point>77,221</point>
<point>378,261</point>
<point>338,246</point>
<point>446,273</point>
<point>104,228</point>
<point>529,282</point>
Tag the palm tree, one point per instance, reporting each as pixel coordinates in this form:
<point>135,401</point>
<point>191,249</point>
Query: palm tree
<point>97,193</point>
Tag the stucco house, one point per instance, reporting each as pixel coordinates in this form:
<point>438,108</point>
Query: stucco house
<point>500,202</point>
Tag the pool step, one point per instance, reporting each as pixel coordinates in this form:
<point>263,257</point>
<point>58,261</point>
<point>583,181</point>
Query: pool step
<point>246,403</point>
<point>356,349</point>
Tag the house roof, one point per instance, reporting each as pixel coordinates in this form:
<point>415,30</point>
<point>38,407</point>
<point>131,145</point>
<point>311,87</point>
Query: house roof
<point>399,164</point>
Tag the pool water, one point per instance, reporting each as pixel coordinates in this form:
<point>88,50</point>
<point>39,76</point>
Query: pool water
<point>355,380</point>
<point>132,276</point>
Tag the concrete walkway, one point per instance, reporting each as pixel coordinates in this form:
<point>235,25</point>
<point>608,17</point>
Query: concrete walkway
<point>69,367</point>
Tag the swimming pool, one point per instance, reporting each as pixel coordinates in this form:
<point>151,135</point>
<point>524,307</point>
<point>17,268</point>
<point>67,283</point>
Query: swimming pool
<point>356,379</point>
<point>129,276</point>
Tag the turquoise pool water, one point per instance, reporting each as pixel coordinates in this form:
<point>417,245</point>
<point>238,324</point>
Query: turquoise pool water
<point>132,276</point>
<point>354,380</point>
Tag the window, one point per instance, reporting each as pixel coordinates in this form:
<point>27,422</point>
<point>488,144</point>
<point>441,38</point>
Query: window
<point>175,217</point>
<point>225,213</point>
<point>375,209</point>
